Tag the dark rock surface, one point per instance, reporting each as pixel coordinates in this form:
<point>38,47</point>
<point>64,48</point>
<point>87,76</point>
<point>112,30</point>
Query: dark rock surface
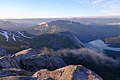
<point>18,78</point>
<point>40,61</point>
<point>24,64</point>
<point>9,62</point>
<point>14,72</point>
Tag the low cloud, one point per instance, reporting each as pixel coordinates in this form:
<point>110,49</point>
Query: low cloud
<point>87,55</point>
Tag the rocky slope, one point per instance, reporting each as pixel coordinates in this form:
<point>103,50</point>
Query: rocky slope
<point>14,72</point>
<point>19,67</point>
<point>18,78</point>
<point>70,72</point>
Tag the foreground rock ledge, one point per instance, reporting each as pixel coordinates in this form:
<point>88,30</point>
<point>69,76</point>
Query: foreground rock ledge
<point>71,72</point>
<point>18,78</point>
<point>14,72</point>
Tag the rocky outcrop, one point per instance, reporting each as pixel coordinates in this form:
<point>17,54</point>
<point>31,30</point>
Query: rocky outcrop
<point>9,62</point>
<point>71,72</point>
<point>18,78</point>
<point>14,72</point>
<point>43,28</point>
<point>25,53</point>
<point>41,61</point>
<point>24,64</point>
<point>32,61</point>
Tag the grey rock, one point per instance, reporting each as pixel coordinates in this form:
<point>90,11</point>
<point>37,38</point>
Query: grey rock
<point>14,72</point>
<point>18,78</point>
<point>9,62</point>
<point>25,53</point>
<point>40,61</point>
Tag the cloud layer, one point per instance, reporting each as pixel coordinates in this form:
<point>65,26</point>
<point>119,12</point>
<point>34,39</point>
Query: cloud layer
<point>107,6</point>
<point>87,55</point>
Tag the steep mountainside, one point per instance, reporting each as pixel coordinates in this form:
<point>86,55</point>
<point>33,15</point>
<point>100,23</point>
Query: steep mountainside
<point>15,41</point>
<point>85,33</point>
<point>57,41</point>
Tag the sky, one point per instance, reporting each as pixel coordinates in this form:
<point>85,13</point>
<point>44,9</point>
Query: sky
<point>58,8</point>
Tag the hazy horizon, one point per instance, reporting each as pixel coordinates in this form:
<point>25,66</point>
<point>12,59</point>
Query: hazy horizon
<point>18,9</point>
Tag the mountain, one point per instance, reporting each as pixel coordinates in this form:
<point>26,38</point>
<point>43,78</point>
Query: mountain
<point>14,40</point>
<point>85,33</point>
<point>57,26</point>
<point>43,28</point>
<point>113,40</point>
<point>7,25</point>
<point>57,41</point>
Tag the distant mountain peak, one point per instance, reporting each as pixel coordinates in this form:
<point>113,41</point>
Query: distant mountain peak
<point>56,26</point>
<point>43,23</point>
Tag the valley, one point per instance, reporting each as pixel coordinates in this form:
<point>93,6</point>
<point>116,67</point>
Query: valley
<point>60,42</point>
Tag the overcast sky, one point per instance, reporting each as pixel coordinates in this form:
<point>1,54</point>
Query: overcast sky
<point>58,8</point>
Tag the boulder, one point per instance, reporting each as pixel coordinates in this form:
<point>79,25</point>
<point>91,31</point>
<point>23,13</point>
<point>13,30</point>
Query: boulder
<point>42,61</point>
<point>18,78</point>
<point>14,72</point>
<point>71,72</point>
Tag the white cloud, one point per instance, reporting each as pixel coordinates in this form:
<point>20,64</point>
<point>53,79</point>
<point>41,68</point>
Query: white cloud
<point>106,6</point>
<point>95,1</point>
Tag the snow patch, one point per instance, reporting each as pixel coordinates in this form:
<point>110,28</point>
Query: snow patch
<point>24,35</point>
<point>13,36</point>
<point>5,34</point>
